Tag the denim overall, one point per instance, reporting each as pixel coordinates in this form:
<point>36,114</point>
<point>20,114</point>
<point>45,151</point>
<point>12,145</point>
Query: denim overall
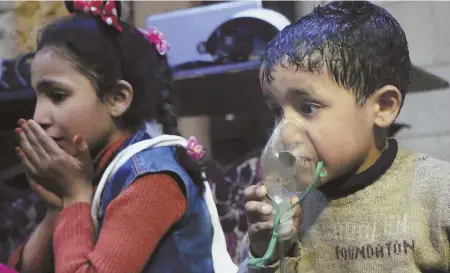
<point>186,247</point>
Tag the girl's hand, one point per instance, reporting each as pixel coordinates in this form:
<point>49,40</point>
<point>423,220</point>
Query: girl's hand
<point>51,200</point>
<point>53,170</point>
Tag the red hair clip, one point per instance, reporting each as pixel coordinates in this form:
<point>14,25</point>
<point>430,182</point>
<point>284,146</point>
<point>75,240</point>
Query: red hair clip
<point>108,11</point>
<point>195,150</point>
<point>156,38</point>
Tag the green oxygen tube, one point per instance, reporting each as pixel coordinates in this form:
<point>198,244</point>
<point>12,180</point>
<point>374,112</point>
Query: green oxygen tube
<point>283,217</point>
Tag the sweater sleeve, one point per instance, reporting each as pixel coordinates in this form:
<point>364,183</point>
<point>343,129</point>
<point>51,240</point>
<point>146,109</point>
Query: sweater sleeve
<point>15,257</point>
<point>446,221</point>
<point>134,223</point>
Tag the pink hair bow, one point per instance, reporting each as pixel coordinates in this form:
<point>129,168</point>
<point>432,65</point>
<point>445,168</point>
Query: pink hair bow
<point>195,150</point>
<point>108,11</point>
<point>156,37</point>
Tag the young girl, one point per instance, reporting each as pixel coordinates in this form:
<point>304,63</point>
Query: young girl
<point>101,88</point>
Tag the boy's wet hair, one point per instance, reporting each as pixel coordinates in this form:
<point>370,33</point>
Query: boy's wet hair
<point>361,45</point>
<point>105,56</point>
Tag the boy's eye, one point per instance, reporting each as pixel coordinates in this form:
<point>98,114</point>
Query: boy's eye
<point>308,109</point>
<point>276,109</point>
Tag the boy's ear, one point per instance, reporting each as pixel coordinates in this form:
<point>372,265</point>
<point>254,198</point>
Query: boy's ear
<point>387,102</point>
<point>120,98</point>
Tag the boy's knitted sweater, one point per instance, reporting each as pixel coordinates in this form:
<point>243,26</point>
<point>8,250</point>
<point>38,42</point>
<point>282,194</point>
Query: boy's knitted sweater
<point>400,223</point>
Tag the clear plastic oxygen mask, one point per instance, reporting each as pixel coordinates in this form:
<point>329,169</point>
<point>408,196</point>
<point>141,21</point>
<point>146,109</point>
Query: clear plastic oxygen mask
<point>289,168</point>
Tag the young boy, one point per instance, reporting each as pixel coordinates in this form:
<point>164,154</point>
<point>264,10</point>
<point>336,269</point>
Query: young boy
<point>343,71</point>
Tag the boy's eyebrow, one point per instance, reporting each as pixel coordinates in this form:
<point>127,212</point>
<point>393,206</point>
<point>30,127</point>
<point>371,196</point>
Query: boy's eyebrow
<point>300,91</point>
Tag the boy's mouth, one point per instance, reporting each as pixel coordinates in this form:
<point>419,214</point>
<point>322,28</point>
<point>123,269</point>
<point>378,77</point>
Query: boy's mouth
<point>289,160</point>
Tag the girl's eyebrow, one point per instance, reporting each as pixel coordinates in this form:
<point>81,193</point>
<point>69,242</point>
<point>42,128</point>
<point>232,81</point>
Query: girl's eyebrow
<point>45,84</point>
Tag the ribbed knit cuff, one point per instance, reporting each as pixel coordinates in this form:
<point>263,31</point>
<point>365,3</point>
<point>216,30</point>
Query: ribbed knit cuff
<point>16,257</point>
<point>73,233</point>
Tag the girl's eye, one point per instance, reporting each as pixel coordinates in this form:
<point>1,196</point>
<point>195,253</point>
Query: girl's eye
<point>58,96</point>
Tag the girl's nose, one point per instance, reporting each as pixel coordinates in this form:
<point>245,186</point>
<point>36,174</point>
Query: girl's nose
<point>42,115</point>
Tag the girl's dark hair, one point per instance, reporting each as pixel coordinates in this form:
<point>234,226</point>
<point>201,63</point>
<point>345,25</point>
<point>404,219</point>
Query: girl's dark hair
<point>106,56</point>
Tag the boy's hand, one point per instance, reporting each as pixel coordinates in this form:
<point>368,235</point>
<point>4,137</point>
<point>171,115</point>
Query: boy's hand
<point>260,215</point>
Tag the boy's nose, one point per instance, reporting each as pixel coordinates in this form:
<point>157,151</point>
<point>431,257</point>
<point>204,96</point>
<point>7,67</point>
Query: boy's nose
<point>292,133</point>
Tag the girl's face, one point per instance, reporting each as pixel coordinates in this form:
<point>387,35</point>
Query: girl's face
<point>67,104</point>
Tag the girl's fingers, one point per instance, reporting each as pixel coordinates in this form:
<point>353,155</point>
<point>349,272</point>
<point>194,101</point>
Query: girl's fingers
<point>45,141</point>
<point>46,194</point>
<point>35,143</point>
<point>43,192</point>
<point>29,167</point>
<point>26,148</point>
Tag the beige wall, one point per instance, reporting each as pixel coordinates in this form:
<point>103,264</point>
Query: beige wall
<point>142,9</point>
<point>429,43</point>
<point>21,21</point>
<point>7,30</point>
<point>27,36</point>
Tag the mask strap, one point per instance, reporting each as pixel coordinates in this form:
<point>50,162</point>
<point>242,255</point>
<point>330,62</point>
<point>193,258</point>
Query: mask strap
<point>256,263</point>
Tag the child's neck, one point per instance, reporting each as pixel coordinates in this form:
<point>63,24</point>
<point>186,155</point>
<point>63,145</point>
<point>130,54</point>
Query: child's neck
<point>355,181</point>
<point>372,157</point>
<point>103,145</point>
<point>107,154</point>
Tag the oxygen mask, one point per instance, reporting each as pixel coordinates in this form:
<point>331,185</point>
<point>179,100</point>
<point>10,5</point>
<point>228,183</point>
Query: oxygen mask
<point>289,168</point>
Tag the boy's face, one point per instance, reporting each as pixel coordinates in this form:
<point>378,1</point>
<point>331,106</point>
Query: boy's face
<point>335,129</point>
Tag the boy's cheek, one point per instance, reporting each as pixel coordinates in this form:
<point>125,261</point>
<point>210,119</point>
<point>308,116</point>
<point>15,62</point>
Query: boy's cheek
<point>338,156</point>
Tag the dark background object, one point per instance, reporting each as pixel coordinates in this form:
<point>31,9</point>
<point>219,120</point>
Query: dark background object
<point>235,135</point>
<point>17,98</point>
<point>422,81</point>
<point>397,127</point>
<point>219,89</point>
